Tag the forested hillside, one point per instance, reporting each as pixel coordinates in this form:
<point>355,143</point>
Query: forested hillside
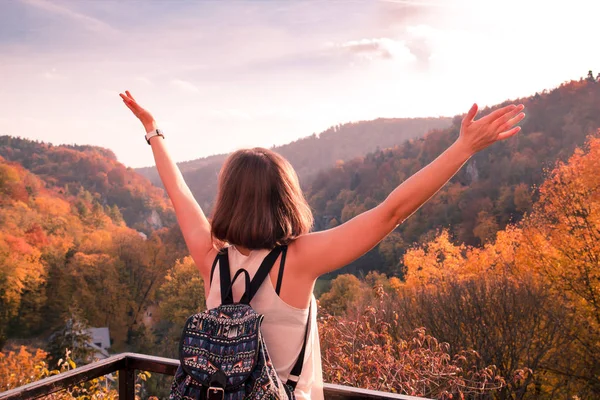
<point>63,253</point>
<point>96,170</point>
<point>313,153</point>
<point>495,187</point>
<point>525,304</point>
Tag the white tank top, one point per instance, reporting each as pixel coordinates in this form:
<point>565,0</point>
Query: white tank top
<point>283,326</point>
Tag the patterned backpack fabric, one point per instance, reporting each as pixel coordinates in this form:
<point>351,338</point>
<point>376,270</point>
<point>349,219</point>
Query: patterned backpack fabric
<point>222,352</point>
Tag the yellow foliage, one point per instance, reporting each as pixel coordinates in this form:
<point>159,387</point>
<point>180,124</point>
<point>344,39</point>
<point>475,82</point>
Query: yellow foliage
<point>182,294</point>
<point>395,284</point>
<point>440,261</point>
<point>435,262</point>
<point>19,262</point>
<point>96,240</point>
<point>497,258</point>
<point>52,206</point>
<point>23,367</point>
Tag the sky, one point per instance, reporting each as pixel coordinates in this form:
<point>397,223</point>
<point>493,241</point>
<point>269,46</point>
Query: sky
<point>222,75</point>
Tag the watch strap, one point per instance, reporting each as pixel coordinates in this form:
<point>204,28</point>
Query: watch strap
<point>152,133</point>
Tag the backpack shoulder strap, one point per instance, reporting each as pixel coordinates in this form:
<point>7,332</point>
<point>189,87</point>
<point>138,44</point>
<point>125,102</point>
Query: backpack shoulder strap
<point>212,269</point>
<point>281,266</point>
<point>297,369</point>
<point>224,277</point>
<point>263,272</point>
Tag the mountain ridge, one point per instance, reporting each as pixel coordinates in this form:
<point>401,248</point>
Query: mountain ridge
<point>310,154</point>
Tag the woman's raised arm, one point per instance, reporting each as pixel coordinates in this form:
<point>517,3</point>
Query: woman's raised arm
<point>325,251</point>
<point>192,221</point>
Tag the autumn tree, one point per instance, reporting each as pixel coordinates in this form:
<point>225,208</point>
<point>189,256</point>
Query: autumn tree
<point>561,243</point>
<point>20,267</point>
<point>182,292</point>
<point>179,296</point>
<point>345,293</point>
<point>143,265</point>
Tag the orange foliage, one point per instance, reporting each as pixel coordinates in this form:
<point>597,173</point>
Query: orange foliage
<point>52,206</point>
<point>22,367</point>
<point>551,262</point>
<point>435,262</point>
<point>19,262</point>
<point>57,249</point>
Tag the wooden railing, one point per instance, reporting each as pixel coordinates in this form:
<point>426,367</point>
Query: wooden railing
<point>128,363</point>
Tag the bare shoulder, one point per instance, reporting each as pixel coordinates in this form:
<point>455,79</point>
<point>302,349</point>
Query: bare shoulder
<point>296,286</point>
<point>295,261</point>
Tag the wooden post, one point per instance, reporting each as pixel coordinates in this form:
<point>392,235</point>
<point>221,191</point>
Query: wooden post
<point>126,384</point>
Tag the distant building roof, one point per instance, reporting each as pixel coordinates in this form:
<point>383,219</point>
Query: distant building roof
<point>100,337</point>
<point>100,352</point>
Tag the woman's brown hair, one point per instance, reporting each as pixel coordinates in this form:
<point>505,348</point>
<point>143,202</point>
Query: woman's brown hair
<point>259,201</point>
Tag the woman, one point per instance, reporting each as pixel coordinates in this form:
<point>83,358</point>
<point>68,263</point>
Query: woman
<point>260,205</point>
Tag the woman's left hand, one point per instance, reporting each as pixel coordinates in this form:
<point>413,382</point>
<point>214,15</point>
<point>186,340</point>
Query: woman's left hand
<point>143,115</point>
<point>498,125</point>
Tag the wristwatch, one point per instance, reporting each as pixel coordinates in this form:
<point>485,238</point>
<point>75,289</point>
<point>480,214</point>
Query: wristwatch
<point>152,133</point>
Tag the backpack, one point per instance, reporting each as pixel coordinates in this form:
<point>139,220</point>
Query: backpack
<point>222,352</point>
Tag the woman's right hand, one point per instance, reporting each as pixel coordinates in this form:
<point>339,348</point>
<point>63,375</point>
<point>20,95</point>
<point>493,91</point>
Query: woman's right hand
<point>498,125</point>
<point>143,115</point>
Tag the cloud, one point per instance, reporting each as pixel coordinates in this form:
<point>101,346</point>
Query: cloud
<point>411,21</point>
<point>415,44</point>
<point>330,57</point>
<point>185,85</point>
<point>90,23</point>
<point>378,49</point>
<point>369,48</point>
<point>420,40</point>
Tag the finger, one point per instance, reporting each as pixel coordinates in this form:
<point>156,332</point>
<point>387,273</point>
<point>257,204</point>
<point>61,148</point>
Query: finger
<point>127,98</point>
<point>129,94</point>
<point>511,122</point>
<point>505,125</point>
<point>502,120</point>
<point>470,115</point>
<point>498,113</point>
<point>506,122</point>
<point>509,133</point>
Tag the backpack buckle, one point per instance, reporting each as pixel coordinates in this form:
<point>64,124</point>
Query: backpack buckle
<point>215,393</point>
